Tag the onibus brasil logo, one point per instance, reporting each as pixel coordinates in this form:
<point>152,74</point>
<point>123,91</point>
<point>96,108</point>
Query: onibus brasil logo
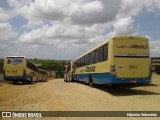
<point>21,114</point>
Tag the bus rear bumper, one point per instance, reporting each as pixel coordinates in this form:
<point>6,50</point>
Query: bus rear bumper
<point>116,80</point>
<point>107,78</point>
<point>16,78</point>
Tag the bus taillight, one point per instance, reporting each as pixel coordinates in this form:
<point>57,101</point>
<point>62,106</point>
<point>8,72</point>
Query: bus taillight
<point>113,69</point>
<point>4,72</point>
<point>24,72</point>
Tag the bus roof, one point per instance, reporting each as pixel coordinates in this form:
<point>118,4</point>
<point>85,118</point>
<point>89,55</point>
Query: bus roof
<point>22,57</point>
<point>15,56</point>
<point>106,41</point>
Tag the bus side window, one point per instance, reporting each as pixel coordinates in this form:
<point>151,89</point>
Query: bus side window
<point>93,57</point>
<point>82,61</point>
<point>105,52</point>
<point>100,54</point>
<point>87,59</point>
<point>28,64</point>
<point>90,58</point>
<point>77,63</point>
<point>96,56</point>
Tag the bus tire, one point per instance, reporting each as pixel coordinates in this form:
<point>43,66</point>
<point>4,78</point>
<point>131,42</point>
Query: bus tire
<point>15,82</point>
<point>37,80</point>
<point>29,82</point>
<point>23,82</point>
<point>76,78</point>
<point>65,79</point>
<point>45,80</point>
<point>71,79</point>
<point>91,84</point>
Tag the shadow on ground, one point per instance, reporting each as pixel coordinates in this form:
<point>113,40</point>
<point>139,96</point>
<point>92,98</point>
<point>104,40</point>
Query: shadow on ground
<point>124,90</point>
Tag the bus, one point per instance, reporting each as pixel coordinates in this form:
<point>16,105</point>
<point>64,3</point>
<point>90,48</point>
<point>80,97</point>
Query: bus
<point>118,60</point>
<point>20,69</point>
<point>69,71</point>
<point>42,75</point>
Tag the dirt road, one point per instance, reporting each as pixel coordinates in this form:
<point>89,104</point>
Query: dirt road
<point>56,95</point>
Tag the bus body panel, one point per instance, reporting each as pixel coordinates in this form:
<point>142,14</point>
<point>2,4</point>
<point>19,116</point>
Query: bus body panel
<point>16,69</point>
<point>94,68</point>
<point>33,74</point>
<point>70,70</point>
<point>42,75</point>
<point>128,62</point>
<point>132,67</point>
<point>108,78</point>
<point>100,67</point>
<point>131,45</point>
<point>131,57</point>
<point>13,67</point>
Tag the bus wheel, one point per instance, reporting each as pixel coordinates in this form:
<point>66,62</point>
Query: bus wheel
<point>76,78</point>
<point>65,79</point>
<point>23,82</point>
<point>71,79</point>
<point>68,79</point>
<point>29,82</point>
<point>37,80</point>
<point>15,82</point>
<point>91,84</point>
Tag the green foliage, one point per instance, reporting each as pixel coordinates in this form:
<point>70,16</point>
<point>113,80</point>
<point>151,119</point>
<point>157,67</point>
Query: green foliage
<point>57,66</point>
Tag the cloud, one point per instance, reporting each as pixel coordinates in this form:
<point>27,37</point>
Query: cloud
<point>61,33</point>
<point>135,7</point>
<point>77,12</point>
<point>124,26</point>
<point>154,48</point>
<point>80,26</point>
<point>50,9</point>
<point>18,3</point>
<point>65,38</point>
<point>6,32</point>
<point>93,12</point>
<point>4,15</point>
<point>70,27</point>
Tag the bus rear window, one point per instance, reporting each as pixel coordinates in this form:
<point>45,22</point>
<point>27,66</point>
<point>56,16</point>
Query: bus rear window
<point>14,60</point>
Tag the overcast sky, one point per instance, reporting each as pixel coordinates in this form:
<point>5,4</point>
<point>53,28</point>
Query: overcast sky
<point>65,29</point>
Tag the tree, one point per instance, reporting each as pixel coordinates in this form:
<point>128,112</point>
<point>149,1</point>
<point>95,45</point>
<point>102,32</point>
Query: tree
<point>57,66</point>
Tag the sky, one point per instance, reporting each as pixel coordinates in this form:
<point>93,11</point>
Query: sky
<point>66,29</point>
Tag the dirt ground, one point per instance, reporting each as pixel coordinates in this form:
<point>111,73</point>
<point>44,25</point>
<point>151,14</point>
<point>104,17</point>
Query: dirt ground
<point>56,95</point>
